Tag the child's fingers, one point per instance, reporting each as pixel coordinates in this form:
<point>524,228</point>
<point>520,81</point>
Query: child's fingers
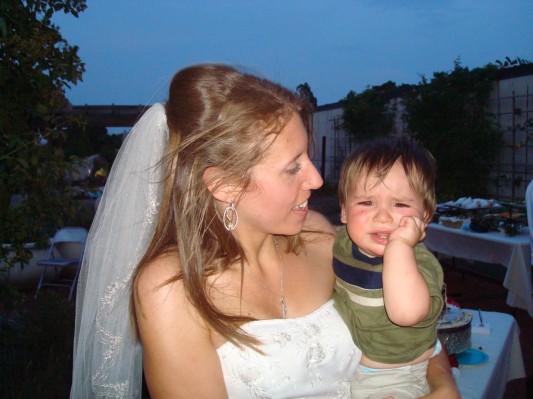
<point>415,224</point>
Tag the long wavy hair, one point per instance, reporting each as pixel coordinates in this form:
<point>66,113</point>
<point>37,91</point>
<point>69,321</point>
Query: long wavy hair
<point>217,117</point>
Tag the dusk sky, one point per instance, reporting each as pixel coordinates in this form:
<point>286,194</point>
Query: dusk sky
<point>132,48</point>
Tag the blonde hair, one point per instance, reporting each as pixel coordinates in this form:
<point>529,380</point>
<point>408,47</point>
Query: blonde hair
<point>218,117</point>
<point>376,157</point>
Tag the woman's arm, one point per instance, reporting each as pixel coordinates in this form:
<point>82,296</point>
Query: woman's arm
<point>179,358</point>
<point>440,378</point>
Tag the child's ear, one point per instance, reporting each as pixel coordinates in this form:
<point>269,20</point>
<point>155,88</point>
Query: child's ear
<point>220,190</point>
<point>343,215</point>
<point>427,218</point>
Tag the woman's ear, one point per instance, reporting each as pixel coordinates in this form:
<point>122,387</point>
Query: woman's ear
<point>220,190</point>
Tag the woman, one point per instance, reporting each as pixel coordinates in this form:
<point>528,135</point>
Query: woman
<point>232,295</point>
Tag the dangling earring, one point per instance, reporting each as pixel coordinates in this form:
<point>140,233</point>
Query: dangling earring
<point>230,218</point>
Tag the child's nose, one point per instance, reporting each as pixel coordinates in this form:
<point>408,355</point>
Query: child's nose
<point>382,215</point>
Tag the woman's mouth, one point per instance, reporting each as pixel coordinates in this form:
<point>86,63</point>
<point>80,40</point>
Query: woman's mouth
<point>302,206</point>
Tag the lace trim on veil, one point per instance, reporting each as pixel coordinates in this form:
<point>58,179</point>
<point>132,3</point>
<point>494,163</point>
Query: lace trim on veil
<point>113,293</point>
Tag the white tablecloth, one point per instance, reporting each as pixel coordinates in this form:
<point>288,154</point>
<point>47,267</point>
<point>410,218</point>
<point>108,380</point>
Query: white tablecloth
<point>505,363</point>
<point>512,252</point>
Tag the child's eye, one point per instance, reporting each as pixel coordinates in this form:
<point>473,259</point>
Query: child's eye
<point>295,169</point>
<point>366,203</point>
<point>400,205</point>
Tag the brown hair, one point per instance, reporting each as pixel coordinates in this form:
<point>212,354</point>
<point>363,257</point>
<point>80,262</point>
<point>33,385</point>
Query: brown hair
<point>376,157</point>
<point>217,117</point>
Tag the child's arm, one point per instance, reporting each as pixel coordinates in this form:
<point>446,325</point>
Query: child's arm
<point>405,292</point>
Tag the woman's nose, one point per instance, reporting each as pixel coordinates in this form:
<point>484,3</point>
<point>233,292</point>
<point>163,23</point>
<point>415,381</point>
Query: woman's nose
<point>314,180</point>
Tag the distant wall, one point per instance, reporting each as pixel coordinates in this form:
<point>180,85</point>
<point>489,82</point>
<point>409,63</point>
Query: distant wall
<point>331,143</point>
<point>511,103</point>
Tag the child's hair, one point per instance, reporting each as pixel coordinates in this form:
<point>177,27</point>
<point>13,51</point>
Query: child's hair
<point>377,156</point>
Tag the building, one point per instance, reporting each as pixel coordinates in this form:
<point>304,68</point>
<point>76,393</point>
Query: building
<point>511,104</point>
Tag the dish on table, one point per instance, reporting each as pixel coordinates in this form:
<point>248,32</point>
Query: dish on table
<point>472,357</point>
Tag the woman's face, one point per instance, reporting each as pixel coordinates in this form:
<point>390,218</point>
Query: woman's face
<point>276,202</point>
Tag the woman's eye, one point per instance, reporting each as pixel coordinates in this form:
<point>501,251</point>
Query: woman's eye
<point>295,169</point>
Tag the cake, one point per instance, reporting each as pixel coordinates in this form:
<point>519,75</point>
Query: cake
<point>454,330</point>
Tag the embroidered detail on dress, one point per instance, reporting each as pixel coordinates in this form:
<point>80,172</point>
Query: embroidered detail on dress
<point>252,378</point>
<point>282,338</point>
<point>311,356</point>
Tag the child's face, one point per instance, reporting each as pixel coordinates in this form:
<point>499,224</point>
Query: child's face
<point>373,211</point>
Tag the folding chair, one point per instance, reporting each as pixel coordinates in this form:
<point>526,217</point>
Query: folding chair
<point>66,249</point>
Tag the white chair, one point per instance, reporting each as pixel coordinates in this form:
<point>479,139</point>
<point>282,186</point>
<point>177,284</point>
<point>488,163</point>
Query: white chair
<point>66,249</point>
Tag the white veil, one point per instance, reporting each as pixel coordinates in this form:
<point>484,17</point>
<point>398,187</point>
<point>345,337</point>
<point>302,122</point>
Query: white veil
<point>107,359</point>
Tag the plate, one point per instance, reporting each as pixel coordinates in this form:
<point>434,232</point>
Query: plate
<point>472,357</point>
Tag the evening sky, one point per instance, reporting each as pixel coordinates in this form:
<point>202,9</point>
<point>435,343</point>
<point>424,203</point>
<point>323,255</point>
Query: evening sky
<point>132,48</point>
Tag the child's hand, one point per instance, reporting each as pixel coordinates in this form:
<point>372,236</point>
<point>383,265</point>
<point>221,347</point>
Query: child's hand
<point>411,230</point>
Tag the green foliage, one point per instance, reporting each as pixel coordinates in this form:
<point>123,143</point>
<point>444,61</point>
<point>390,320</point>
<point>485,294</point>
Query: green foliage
<point>36,65</point>
<point>84,140</point>
<point>509,63</point>
<point>366,115</point>
<point>449,116</point>
<point>304,90</point>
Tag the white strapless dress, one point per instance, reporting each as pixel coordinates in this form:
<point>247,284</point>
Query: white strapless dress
<point>306,357</point>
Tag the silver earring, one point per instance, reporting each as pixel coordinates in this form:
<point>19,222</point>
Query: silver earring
<point>230,218</point>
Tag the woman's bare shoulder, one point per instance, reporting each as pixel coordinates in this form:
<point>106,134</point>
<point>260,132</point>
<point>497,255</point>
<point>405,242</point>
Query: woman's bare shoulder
<point>157,285</point>
<point>318,236</point>
<point>158,271</point>
<point>177,347</point>
<point>314,261</point>
<point>316,221</point>
<point>318,232</point>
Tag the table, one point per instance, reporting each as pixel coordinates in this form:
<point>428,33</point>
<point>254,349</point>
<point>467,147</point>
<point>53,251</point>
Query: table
<point>502,345</point>
<point>492,247</point>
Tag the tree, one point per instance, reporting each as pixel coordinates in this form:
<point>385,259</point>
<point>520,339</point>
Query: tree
<point>304,91</point>
<point>85,140</point>
<point>366,115</point>
<point>509,63</point>
<point>449,116</point>
<point>36,65</point>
